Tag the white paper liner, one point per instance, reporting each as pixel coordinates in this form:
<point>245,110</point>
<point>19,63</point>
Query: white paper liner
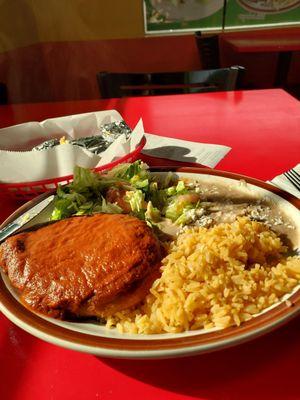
<point>20,164</point>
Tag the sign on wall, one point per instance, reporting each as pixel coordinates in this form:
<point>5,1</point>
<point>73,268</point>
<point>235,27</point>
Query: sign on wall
<point>166,16</point>
<point>261,13</point>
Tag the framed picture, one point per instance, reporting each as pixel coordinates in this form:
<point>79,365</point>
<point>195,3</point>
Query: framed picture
<point>167,16</point>
<point>241,14</point>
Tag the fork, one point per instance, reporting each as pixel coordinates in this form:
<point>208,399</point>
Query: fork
<point>295,173</point>
<point>293,177</point>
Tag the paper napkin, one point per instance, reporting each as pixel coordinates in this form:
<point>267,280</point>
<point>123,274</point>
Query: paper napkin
<point>205,154</point>
<point>283,183</point>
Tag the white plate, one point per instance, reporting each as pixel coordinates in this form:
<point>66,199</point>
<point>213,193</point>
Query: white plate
<point>96,339</point>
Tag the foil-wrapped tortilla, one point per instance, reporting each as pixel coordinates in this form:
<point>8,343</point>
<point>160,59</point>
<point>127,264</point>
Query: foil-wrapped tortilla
<point>108,133</point>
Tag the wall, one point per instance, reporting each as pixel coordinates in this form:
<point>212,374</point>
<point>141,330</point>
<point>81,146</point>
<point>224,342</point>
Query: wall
<point>51,50</point>
<point>25,22</point>
<point>67,70</point>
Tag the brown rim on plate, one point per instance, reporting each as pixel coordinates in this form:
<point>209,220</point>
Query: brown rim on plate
<point>145,348</point>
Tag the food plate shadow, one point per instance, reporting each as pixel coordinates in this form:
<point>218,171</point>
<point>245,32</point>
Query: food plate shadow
<point>172,152</point>
<point>225,374</point>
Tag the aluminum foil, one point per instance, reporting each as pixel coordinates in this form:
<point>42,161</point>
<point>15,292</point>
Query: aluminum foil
<point>108,133</point>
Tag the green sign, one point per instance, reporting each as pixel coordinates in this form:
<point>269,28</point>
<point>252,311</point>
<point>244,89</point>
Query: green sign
<point>261,13</point>
<point>163,16</point>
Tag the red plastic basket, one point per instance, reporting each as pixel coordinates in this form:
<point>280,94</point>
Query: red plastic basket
<point>28,190</point>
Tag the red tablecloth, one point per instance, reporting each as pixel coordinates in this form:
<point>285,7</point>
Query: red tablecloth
<point>263,129</point>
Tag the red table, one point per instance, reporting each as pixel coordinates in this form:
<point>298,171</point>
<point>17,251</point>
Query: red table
<point>263,129</point>
<point>283,42</point>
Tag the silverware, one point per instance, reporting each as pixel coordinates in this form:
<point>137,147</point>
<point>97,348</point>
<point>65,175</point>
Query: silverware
<point>295,173</point>
<point>293,177</point>
<point>25,218</point>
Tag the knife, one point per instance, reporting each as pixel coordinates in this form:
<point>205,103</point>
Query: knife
<point>25,218</point>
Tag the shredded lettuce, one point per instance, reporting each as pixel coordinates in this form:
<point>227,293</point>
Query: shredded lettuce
<point>63,208</point>
<point>86,194</point>
<point>158,197</point>
<point>84,180</point>
<point>187,216</point>
<point>136,200</point>
<point>83,196</point>
<point>171,191</point>
<point>136,174</point>
<point>127,171</point>
<point>178,205</point>
<point>150,198</point>
<point>152,213</point>
<point>174,210</point>
<point>139,183</point>
<point>110,208</point>
<point>180,188</point>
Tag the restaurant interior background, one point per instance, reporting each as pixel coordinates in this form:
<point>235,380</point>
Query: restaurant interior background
<point>51,50</point>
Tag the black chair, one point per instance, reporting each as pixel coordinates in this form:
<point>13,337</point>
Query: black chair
<point>143,84</point>
<point>3,94</point>
<point>208,48</point>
